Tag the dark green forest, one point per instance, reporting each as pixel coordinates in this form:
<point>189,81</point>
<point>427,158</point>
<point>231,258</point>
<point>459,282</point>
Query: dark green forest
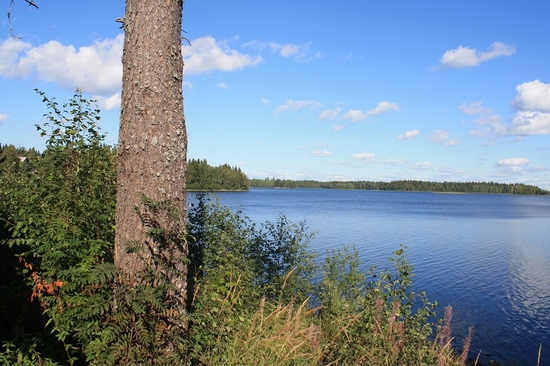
<point>203,177</point>
<point>405,185</point>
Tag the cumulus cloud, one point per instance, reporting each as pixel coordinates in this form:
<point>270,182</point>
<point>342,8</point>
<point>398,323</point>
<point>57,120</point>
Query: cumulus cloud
<point>467,57</point>
<point>474,108</point>
<point>206,54</point>
<point>527,123</point>
<point>356,115</point>
<point>108,103</point>
<point>512,165</point>
<point>265,101</point>
<point>443,137</point>
<point>513,162</point>
<point>408,135</point>
<point>223,86</point>
<point>329,114</point>
<point>321,153</point>
<point>96,68</point>
<point>3,117</point>
<point>533,96</point>
<point>490,126</point>
<point>533,104</point>
<point>290,49</point>
<point>366,157</point>
<point>337,127</point>
<point>295,105</point>
<point>383,107</point>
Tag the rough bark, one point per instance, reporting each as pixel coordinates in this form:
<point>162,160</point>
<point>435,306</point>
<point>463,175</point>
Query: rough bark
<point>152,148</point>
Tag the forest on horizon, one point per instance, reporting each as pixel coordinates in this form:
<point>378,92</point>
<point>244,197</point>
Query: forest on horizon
<point>202,176</point>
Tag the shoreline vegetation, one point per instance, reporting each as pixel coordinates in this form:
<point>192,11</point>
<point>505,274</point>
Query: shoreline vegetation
<point>405,185</point>
<point>249,287</point>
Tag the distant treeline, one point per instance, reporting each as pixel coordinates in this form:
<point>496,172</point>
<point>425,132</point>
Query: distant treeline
<point>404,185</point>
<point>203,177</point>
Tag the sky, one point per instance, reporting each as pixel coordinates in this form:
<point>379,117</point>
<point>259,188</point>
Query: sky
<point>321,90</point>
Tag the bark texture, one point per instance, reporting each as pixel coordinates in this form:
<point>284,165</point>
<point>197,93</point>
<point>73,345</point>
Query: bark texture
<point>152,148</point>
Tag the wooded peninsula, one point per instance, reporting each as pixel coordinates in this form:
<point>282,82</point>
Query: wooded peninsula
<point>203,177</point>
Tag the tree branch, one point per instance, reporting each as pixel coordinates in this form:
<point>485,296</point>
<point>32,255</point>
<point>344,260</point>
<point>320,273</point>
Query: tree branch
<point>30,2</point>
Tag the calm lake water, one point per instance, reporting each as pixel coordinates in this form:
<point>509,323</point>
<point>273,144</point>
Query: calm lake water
<point>487,255</point>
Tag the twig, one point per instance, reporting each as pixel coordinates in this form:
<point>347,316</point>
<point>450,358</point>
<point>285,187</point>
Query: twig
<point>477,358</point>
<point>30,2</point>
<point>538,359</point>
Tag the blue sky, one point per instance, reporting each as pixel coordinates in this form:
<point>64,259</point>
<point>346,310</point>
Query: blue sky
<point>323,90</point>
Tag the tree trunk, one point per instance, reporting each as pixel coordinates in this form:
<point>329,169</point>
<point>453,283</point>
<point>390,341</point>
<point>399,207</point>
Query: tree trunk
<point>152,147</point>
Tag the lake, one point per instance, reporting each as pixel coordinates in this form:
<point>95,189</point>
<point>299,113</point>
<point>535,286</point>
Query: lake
<point>487,255</point>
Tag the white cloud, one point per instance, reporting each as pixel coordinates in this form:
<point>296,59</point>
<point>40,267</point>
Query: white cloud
<point>366,157</point>
<point>533,96</point>
<point>321,153</point>
<point>95,68</point>
<point>474,108</point>
<point>395,161</point>
<point>337,128</point>
<point>442,137</point>
<point>356,115</point>
<point>265,101</point>
<point>383,107</point>
<point>10,66</point>
<point>4,117</point>
<point>512,165</point>
<point>329,114</point>
<point>108,103</point>
<point>490,126</point>
<point>465,56</point>
<point>408,135</point>
<point>223,86</point>
<point>530,123</point>
<point>513,162</point>
<point>299,52</point>
<point>288,49</point>
<point>206,54</point>
<point>295,105</point>
<point>533,117</point>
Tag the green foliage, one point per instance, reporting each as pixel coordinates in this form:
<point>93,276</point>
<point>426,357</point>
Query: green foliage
<point>57,212</point>
<point>373,317</point>
<point>60,223</point>
<point>253,299</point>
<point>203,177</point>
<point>405,185</point>
<point>255,294</point>
<point>235,266</point>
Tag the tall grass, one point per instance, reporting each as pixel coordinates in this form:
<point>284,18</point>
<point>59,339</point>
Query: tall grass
<point>346,316</point>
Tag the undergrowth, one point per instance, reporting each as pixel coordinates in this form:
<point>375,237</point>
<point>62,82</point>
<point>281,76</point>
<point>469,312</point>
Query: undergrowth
<point>255,296</point>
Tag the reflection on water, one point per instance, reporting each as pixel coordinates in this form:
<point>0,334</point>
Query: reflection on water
<point>486,255</point>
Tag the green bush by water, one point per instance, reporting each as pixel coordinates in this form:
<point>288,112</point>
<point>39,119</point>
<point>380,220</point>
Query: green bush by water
<point>252,297</point>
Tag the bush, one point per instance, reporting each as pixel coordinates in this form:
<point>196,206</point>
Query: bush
<point>255,293</point>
